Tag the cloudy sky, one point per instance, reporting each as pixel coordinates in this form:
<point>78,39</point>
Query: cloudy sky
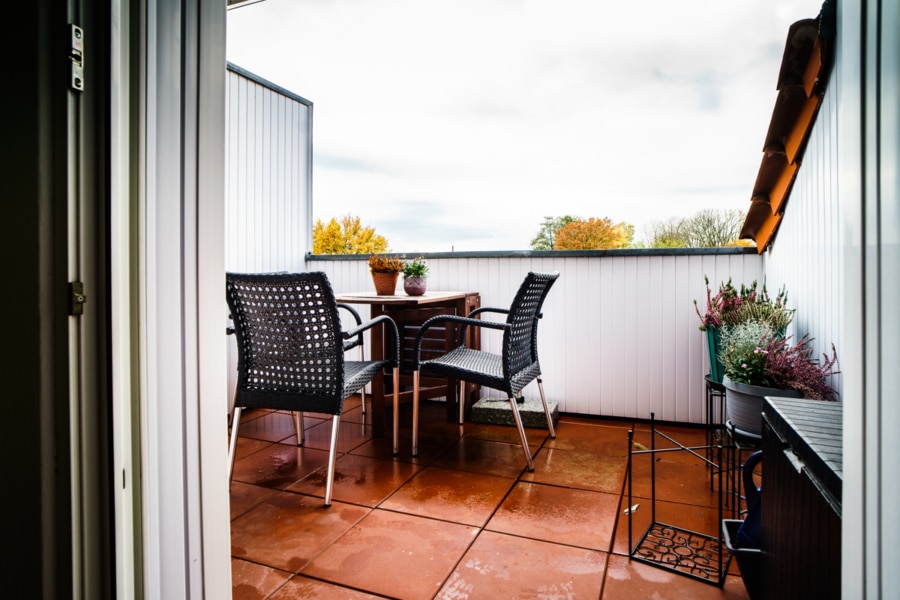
<point>461,125</point>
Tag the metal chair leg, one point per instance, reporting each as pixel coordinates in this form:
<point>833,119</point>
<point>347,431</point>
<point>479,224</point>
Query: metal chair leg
<point>298,426</point>
<point>415,419</point>
<point>332,454</point>
<point>232,447</point>
<point>546,409</point>
<point>462,401</point>
<point>362,392</point>
<point>521,428</point>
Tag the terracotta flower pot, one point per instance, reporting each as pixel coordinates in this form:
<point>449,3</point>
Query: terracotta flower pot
<point>415,286</point>
<point>385,283</point>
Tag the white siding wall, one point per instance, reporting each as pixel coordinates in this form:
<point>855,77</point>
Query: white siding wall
<point>268,200</point>
<point>269,176</point>
<point>619,336</point>
<point>807,253</point>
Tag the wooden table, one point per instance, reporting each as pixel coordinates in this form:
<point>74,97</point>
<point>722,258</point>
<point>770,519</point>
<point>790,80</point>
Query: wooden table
<point>409,312</point>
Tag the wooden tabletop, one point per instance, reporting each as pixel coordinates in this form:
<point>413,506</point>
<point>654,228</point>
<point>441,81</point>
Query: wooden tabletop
<point>400,299</point>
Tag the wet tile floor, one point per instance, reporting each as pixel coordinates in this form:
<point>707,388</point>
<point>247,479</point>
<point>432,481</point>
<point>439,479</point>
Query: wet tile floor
<point>464,519</point>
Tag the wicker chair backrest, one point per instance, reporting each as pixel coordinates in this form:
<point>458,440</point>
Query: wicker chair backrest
<point>289,338</point>
<point>520,340</point>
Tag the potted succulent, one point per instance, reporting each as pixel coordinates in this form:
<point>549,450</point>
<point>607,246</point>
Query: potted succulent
<point>415,276</point>
<point>731,306</point>
<point>385,273</point>
<point>758,362</point>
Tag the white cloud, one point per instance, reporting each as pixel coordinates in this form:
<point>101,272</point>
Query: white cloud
<point>463,124</point>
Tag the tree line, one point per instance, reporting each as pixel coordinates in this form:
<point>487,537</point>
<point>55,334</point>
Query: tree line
<point>708,228</point>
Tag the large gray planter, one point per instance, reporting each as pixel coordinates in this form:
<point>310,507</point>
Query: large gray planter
<point>744,403</point>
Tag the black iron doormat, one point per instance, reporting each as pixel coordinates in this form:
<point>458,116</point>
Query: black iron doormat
<point>695,555</point>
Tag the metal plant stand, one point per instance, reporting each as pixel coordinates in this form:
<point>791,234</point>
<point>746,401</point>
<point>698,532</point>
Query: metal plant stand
<point>695,555</point>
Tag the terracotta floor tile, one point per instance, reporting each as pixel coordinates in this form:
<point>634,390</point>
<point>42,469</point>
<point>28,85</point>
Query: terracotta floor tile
<point>482,456</point>
<point>351,435</point>
<point>287,530</point>
<point>245,496</point>
<point>701,519</point>
<point>464,519</point>
<point>502,566</point>
<point>467,498</point>
<point>304,588</point>
<point>273,426</point>
<point>250,581</point>
<point>590,420</point>
<point>279,465</point>
<point>581,470</point>
<point>394,554</point>
<point>508,434</point>
<point>383,447</point>
<point>561,515</point>
<point>676,480</point>
<point>599,439</point>
<point>359,480</point>
<point>631,579</point>
<point>688,437</point>
<point>247,446</point>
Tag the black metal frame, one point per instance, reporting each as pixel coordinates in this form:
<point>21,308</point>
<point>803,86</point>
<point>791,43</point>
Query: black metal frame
<point>695,555</point>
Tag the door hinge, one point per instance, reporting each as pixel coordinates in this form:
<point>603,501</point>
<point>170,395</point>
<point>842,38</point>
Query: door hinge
<point>76,56</point>
<point>76,298</point>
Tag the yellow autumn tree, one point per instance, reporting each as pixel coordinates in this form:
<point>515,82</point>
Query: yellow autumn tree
<point>594,234</point>
<point>347,236</point>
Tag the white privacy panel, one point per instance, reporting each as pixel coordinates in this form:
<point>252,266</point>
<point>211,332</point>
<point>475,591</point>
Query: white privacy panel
<point>269,175</point>
<point>268,180</point>
<point>619,335</point>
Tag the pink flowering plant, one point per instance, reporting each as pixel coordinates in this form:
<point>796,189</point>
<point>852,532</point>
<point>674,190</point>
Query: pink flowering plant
<point>752,353</point>
<point>731,306</point>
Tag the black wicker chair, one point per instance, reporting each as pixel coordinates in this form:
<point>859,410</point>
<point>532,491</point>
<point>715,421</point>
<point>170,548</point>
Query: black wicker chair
<point>510,371</point>
<point>291,352</point>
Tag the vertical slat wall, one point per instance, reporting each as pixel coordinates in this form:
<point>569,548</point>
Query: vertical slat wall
<point>269,176</point>
<point>268,170</point>
<point>807,253</point>
<point>619,336</point>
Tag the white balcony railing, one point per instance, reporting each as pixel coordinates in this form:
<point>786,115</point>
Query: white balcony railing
<point>619,336</point>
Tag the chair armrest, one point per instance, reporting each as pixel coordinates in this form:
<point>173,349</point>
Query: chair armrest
<point>464,321</point>
<point>356,317</point>
<point>395,338</point>
<point>503,311</point>
<point>484,309</point>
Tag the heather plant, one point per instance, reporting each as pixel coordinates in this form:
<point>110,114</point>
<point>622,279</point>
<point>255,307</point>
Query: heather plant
<point>731,306</point>
<point>743,352</point>
<point>382,263</point>
<point>794,368</point>
<point>752,353</point>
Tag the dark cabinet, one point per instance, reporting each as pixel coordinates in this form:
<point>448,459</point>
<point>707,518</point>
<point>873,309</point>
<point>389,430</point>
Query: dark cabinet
<point>801,498</point>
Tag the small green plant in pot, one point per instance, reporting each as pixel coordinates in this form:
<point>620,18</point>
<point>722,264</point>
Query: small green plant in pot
<point>415,276</point>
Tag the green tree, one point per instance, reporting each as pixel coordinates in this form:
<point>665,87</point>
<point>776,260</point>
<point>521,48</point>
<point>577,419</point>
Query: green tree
<point>667,234</point>
<point>546,236</point>
<point>347,236</point>
<point>594,234</point>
